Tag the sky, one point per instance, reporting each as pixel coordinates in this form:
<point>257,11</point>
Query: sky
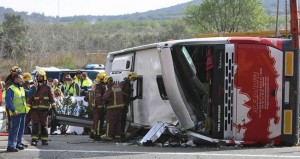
<point>65,8</point>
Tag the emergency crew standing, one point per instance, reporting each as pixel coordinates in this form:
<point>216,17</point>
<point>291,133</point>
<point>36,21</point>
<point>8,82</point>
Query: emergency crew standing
<point>27,85</point>
<point>126,86</point>
<point>8,81</point>
<point>115,105</point>
<point>16,103</point>
<point>86,84</point>
<point>72,88</point>
<point>40,103</point>
<point>95,99</point>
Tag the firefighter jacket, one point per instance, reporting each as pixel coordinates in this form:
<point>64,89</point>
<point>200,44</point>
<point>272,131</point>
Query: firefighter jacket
<point>43,99</point>
<point>94,96</point>
<point>126,91</point>
<point>113,97</point>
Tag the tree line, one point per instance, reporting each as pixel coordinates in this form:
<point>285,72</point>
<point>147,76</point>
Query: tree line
<point>20,39</point>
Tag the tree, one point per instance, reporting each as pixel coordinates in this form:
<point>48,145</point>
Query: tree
<point>13,41</point>
<point>219,16</point>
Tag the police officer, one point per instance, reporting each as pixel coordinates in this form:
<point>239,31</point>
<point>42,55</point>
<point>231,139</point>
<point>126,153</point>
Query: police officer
<point>95,100</point>
<point>126,86</point>
<point>41,103</point>
<point>114,109</point>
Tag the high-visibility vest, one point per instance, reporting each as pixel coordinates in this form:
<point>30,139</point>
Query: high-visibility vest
<point>57,87</point>
<point>70,89</point>
<point>86,83</point>
<point>19,100</point>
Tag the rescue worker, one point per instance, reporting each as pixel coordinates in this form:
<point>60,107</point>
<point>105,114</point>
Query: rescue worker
<point>57,85</point>
<point>16,104</point>
<point>86,84</point>
<point>27,85</point>
<point>41,103</point>
<point>94,97</point>
<point>72,88</point>
<point>77,77</point>
<point>127,91</point>
<point>8,81</point>
<point>114,108</point>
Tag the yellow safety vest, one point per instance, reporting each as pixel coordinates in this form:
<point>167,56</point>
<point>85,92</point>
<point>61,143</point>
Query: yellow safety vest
<point>19,100</point>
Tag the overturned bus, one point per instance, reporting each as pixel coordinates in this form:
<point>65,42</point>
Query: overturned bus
<point>234,89</point>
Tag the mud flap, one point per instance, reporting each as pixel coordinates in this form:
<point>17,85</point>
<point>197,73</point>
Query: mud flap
<point>154,133</point>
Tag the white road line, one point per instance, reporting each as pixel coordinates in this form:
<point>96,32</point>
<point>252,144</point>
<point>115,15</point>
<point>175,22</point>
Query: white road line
<point>163,153</point>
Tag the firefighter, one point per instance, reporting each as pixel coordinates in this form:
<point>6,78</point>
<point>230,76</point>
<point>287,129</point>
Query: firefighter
<point>86,84</point>
<point>127,91</point>
<point>16,104</point>
<point>27,85</point>
<point>41,103</point>
<point>114,108</point>
<point>72,88</point>
<point>95,99</point>
<point>8,81</point>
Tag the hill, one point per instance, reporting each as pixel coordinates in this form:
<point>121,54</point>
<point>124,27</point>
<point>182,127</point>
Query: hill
<point>159,14</point>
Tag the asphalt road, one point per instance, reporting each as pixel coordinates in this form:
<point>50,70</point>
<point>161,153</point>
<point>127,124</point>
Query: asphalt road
<point>78,146</point>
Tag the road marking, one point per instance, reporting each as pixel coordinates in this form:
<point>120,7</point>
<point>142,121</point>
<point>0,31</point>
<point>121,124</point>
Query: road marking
<point>162,153</point>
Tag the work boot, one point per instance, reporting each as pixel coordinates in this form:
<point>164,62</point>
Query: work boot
<point>91,136</point>
<point>12,149</point>
<point>20,147</point>
<point>34,143</point>
<point>44,142</point>
<point>24,145</point>
<point>105,138</point>
<point>97,138</point>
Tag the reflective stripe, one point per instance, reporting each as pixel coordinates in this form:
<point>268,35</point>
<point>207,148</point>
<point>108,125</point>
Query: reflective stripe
<point>36,97</point>
<point>115,106</point>
<point>44,138</point>
<point>46,97</point>
<point>34,137</point>
<point>19,101</point>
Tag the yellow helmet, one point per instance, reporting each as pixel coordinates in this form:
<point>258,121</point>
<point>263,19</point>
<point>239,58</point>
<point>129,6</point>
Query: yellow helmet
<point>41,72</point>
<point>100,77</point>
<point>27,76</point>
<point>132,75</point>
<point>107,79</point>
<point>16,69</point>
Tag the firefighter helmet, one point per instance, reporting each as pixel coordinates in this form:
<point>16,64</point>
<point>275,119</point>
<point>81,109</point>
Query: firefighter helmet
<point>132,75</point>
<point>107,79</point>
<point>27,76</point>
<point>41,72</point>
<point>100,77</point>
<point>16,69</point>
